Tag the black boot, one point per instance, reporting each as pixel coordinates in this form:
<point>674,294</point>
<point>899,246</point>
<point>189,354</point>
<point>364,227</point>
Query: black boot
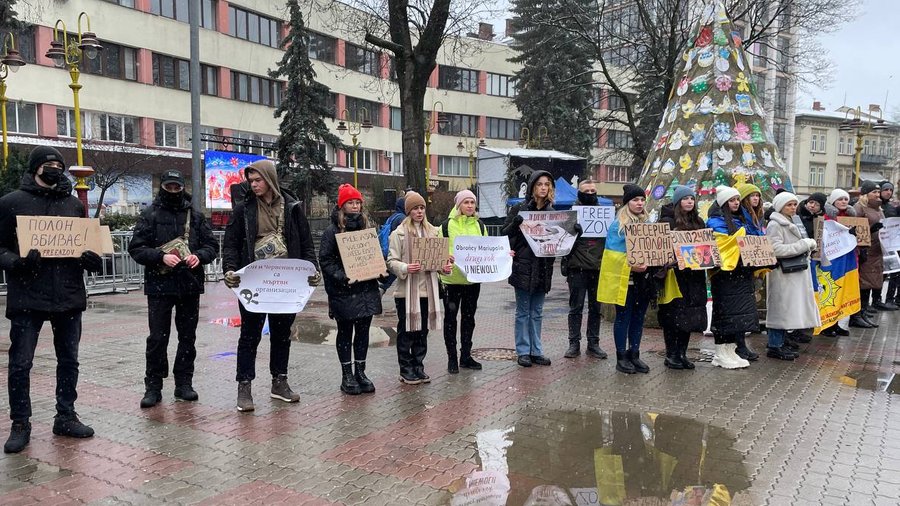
<point>467,362</point>
<point>348,381</point>
<point>19,436</point>
<point>623,364</point>
<point>70,426</point>
<point>683,341</point>
<point>185,392</point>
<point>672,360</point>
<point>574,348</point>
<point>744,351</point>
<point>452,362</point>
<point>594,350</point>
<point>153,392</point>
<point>465,353</point>
<point>365,384</point>
<point>639,365</point>
<point>872,320</point>
<point>858,321</point>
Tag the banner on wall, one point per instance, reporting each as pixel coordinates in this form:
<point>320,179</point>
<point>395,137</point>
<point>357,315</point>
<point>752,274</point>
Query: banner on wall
<point>221,170</point>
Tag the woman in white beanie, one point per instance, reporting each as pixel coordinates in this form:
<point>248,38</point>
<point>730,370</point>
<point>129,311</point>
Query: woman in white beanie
<point>838,204</point>
<point>733,293</point>
<point>790,299</point>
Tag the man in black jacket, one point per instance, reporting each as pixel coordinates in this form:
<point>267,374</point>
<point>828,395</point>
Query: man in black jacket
<point>581,268</point>
<point>172,282</point>
<point>41,289</point>
<point>265,210</point>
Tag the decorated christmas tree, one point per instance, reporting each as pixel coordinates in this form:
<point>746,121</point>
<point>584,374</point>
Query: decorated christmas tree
<point>714,131</point>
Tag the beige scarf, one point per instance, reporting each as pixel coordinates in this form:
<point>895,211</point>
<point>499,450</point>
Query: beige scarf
<point>413,307</point>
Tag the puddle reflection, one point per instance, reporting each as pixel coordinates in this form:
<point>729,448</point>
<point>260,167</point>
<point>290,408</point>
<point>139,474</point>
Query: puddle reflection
<point>873,380</point>
<point>605,458</point>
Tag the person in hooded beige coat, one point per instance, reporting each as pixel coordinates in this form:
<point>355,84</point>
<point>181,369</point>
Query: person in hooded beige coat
<point>790,298</point>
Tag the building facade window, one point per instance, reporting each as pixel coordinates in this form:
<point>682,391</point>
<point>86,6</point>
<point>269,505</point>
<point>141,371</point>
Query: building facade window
<point>397,164</point>
<point>818,141</point>
<point>616,102</point>
<point>21,117</point>
<point>365,158</point>
<point>116,61</point>
<point>816,175</point>
<point>500,85</point>
<point>209,77</point>
<point>65,122</point>
<point>396,118</point>
<point>171,135</point>
<point>171,72</point>
<point>361,60</point>
<point>123,3</point>
<point>255,89</point>
<point>502,128</point>
<point>455,78</point>
<point>110,127</point>
<point>322,47</point>
<point>845,145</point>
<point>780,132</point>
<point>619,139</point>
<point>253,27</point>
<point>25,43</point>
<point>355,111</point>
<point>178,10</point>
<point>781,98</point>
<point>453,166</point>
<point>458,124</point>
<point>616,174</point>
<point>257,144</point>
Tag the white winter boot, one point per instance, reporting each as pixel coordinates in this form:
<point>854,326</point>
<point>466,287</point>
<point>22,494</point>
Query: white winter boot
<point>721,358</point>
<point>739,363</point>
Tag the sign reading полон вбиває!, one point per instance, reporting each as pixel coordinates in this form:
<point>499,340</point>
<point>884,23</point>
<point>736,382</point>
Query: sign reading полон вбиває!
<point>58,236</point>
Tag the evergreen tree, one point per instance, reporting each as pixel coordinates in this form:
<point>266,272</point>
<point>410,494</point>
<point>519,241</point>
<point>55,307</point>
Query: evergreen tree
<point>554,82</point>
<point>8,16</point>
<point>16,165</point>
<point>302,110</point>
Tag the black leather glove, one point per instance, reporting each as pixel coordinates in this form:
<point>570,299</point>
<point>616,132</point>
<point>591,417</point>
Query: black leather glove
<point>29,263</point>
<point>578,230</point>
<point>518,220</point>
<point>875,228</point>
<point>853,231</point>
<point>91,262</point>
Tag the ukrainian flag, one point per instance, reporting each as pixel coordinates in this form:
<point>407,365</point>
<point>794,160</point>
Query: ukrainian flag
<point>612,287</point>
<point>838,289</point>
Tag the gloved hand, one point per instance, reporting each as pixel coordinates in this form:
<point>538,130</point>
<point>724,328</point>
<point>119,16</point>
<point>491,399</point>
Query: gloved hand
<point>578,230</point>
<point>853,231</point>
<point>29,263</point>
<point>314,280</point>
<point>813,245</point>
<point>517,220</point>
<point>91,262</point>
<point>232,280</point>
<point>876,227</point>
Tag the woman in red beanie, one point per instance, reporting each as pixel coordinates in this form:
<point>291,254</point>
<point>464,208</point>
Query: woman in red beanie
<point>351,304</point>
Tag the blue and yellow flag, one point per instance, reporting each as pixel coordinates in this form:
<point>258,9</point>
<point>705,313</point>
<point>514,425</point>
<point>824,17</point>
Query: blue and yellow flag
<point>838,289</point>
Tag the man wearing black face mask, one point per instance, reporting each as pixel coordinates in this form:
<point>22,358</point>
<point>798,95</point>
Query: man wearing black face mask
<point>582,270</point>
<point>172,280</point>
<point>41,289</point>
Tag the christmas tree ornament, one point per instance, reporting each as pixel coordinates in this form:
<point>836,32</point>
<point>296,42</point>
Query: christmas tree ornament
<point>656,165</point>
<point>741,132</point>
<point>671,189</point>
<point>706,105</point>
<point>698,134</point>
<point>761,181</point>
<point>719,37</point>
<point>668,166</point>
<point>659,191</point>
<point>720,178</point>
<point>676,140</point>
<point>683,86</point>
<point>748,158</point>
<point>722,131</point>
<point>661,141</point>
<point>724,107</point>
<point>723,156</point>
<point>689,59</point>
<point>722,59</point>
<point>757,133</point>
<point>722,15</point>
<point>723,83</point>
<point>688,109</point>
<point>707,188</point>
<point>775,181</point>
<point>743,104</point>
<point>705,57</point>
<point>766,157</point>
<point>700,84</point>
<point>743,85</point>
<point>738,59</point>
<point>685,162</point>
<point>673,112</point>
<point>692,184</point>
<point>704,162</point>
<point>704,38</point>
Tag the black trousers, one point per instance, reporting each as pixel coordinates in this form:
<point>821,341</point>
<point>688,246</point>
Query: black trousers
<point>460,298</point>
<point>893,290</point>
<point>411,346</point>
<point>581,284</point>
<point>24,330</point>
<point>159,311</point>
<point>251,335</point>
<point>347,341</point>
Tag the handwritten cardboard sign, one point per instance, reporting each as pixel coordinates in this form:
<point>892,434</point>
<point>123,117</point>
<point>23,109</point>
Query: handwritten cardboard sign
<point>756,251</point>
<point>648,244</point>
<point>861,225</point>
<point>361,254</point>
<point>595,220</point>
<point>695,249</point>
<point>58,236</point>
<point>818,230</point>
<point>431,252</point>
<point>106,241</point>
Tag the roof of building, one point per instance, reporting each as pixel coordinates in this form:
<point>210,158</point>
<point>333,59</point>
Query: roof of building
<point>532,153</point>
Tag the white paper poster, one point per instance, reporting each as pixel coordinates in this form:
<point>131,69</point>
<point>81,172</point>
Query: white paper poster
<point>279,285</point>
<point>836,240</point>
<point>891,263</point>
<point>595,220</point>
<point>482,259</point>
<point>549,233</point>
<point>890,234</point>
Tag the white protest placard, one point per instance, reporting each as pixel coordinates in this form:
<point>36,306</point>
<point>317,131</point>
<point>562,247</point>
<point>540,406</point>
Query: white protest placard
<point>482,259</point>
<point>891,262</point>
<point>277,285</point>
<point>836,240</point>
<point>595,220</point>
<point>890,234</point>
<point>58,236</point>
<point>549,233</point>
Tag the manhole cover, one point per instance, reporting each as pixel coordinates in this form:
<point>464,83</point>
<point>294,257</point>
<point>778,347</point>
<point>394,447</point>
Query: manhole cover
<point>693,354</point>
<point>494,354</point>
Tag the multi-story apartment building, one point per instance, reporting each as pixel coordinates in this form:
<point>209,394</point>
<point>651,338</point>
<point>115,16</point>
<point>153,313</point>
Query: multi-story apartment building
<point>825,156</point>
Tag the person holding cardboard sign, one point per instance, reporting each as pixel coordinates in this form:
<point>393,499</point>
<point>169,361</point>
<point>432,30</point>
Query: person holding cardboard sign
<point>871,271</point>
<point>351,303</point>
<point>629,287</point>
<point>733,291</point>
<point>417,293</point>
<point>173,280</point>
<point>42,289</point>
<point>838,205</point>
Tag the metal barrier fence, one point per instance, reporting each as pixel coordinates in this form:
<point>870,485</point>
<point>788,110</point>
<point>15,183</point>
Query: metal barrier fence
<point>121,274</point>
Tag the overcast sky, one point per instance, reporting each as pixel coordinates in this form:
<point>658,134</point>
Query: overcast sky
<point>866,54</point>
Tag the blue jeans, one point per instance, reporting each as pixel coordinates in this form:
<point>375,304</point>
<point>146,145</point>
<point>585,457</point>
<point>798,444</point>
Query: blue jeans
<point>628,326</point>
<point>24,330</point>
<point>776,337</point>
<point>529,313</point>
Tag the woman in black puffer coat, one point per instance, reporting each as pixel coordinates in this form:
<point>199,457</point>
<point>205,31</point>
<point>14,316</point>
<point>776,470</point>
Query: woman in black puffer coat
<point>685,314</point>
<point>352,305</point>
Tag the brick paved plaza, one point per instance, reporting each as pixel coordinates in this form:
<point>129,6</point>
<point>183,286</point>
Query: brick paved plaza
<point>778,433</point>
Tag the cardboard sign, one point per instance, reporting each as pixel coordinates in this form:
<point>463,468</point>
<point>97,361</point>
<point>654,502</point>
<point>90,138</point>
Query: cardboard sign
<point>836,240</point>
<point>695,249</point>
<point>432,253</point>
<point>277,285</point>
<point>890,234</point>
<point>818,227</point>
<point>482,259</point>
<point>361,254</point>
<point>861,225</point>
<point>58,236</point>
<point>595,220</point>
<point>756,251</point>
<point>648,244</point>
<point>549,233</point>
<point>106,242</point>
